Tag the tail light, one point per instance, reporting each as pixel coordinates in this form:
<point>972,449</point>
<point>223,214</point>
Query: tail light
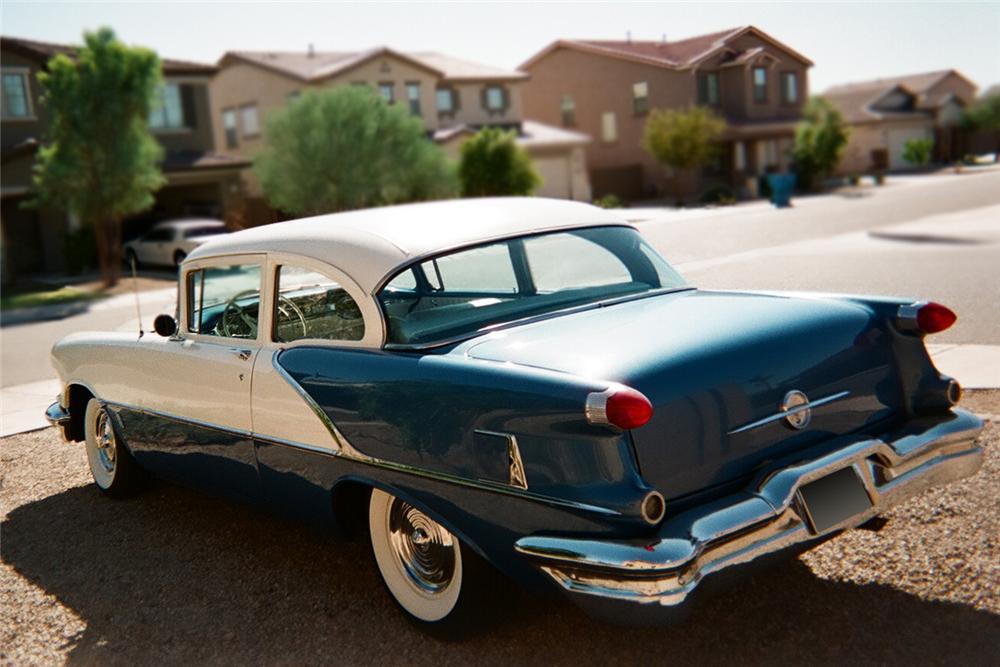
<point>926,317</point>
<point>619,406</point>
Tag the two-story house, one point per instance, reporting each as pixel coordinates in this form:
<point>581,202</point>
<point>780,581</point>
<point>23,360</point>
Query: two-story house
<point>607,88</point>
<point>885,114</point>
<point>200,181</point>
<point>452,97</point>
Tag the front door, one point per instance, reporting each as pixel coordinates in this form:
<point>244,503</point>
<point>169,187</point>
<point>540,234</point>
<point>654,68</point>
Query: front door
<point>194,422</point>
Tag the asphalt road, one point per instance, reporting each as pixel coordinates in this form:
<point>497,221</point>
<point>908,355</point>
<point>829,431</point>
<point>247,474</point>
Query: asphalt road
<point>177,577</point>
<point>807,247</point>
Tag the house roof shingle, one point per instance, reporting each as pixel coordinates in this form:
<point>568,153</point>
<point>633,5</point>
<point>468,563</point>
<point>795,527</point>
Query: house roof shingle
<point>42,51</point>
<point>855,99</point>
<point>678,54</point>
<point>312,66</point>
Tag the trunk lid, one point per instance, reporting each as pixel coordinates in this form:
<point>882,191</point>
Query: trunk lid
<point>713,364</point>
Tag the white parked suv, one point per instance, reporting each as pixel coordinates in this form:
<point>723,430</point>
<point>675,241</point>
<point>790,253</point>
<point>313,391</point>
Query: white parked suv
<point>168,243</point>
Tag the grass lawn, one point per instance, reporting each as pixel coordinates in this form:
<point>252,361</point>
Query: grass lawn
<point>27,299</point>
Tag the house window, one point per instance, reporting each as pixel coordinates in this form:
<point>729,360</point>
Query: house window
<point>609,127</point>
<point>640,97</point>
<point>568,110</point>
<point>413,97</point>
<point>708,89</point>
<point>387,91</point>
<point>251,124</point>
<point>495,99</point>
<point>229,127</point>
<point>789,87</point>
<point>446,100</point>
<point>16,99</point>
<point>292,96</point>
<point>760,85</point>
<point>168,114</point>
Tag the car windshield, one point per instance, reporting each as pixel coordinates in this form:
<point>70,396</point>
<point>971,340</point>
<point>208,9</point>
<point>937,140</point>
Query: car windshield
<point>468,290</point>
<point>207,230</point>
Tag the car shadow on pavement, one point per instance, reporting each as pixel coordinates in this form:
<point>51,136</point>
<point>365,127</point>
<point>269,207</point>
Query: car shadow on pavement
<point>177,576</point>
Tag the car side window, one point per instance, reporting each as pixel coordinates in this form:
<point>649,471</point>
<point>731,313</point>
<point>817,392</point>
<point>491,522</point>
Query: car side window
<point>571,261</point>
<point>163,234</point>
<point>224,300</point>
<point>484,269</point>
<point>311,305</point>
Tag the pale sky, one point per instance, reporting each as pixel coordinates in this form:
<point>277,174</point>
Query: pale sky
<point>847,41</point>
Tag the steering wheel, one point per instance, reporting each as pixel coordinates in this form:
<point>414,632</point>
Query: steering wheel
<point>235,322</point>
<point>284,305</point>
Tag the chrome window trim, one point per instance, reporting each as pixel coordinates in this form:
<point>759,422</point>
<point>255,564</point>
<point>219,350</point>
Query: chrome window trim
<point>263,316</point>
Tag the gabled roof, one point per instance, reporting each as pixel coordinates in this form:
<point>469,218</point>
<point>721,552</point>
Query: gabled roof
<point>41,52</point>
<point>371,244</point>
<point>858,105</point>
<point>318,65</point>
<point>919,84</point>
<point>680,54</point>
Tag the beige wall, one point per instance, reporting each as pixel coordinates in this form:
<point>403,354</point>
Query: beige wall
<point>870,136</point>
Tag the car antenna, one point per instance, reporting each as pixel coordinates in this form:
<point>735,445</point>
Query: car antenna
<point>135,290</point>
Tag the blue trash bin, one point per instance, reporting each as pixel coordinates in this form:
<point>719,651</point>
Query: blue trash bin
<point>781,185</point>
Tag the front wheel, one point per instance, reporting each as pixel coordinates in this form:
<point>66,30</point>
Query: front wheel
<point>114,470</point>
<point>442,585</point>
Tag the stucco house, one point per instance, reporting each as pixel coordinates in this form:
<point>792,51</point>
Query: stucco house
<point>607,88</point>
<point>452,97</point>
<point>886,113</point>
<point>200,180</point>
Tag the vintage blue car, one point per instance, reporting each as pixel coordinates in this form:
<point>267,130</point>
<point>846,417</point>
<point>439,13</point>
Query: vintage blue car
<point>519,387</point>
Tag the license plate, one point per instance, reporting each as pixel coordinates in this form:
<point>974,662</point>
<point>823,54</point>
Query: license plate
<point>834,498</point>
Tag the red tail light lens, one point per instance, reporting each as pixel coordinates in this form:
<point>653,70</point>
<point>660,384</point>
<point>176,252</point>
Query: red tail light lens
<point>627,408</point>
<point>933,317</point>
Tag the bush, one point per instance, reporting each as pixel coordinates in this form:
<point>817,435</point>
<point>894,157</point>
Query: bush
<point>819,141</point>
<point>493,165</point>
<point>345,148</point>
<point>719,194</point>
<point>918,151</point>
<point>853,180</point>
<point>610,201</point>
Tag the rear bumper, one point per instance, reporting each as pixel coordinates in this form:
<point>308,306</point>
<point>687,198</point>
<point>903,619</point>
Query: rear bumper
<point>769,516</point>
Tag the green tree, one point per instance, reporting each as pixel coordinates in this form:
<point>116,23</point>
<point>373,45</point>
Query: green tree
<point>918,151</point>
<point>684,139</point>
<point>492,164</point>
<point>985,115</point>
<point>819,142</point>
<point>99,159</point>
<point>345,148</point>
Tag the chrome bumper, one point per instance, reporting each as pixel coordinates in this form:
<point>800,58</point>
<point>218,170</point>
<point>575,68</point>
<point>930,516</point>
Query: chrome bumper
<point>768,517</point>
<point>57,414</point>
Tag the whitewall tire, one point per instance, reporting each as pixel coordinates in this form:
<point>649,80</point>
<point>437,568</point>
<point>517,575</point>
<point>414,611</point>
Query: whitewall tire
<point>114,470</point>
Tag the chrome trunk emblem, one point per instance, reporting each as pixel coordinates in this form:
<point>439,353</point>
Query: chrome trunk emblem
<point>797,409</point>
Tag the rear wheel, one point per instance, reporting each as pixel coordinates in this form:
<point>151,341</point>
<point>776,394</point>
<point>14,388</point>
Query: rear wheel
<point>442,585</point>
<point>114,470</point>
<point>179,256</point>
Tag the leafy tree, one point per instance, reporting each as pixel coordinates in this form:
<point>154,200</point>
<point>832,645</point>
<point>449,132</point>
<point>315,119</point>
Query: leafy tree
<point>492,164</point>
<point>985,115</point>
<point>345,148</point>
<point>918,151</point>
<point>684,139</point>
<point>819,142</point>
<point>99,159</point>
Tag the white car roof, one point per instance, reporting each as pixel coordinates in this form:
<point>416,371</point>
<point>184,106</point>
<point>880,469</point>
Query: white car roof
<point>370,244</point>
<point>187,223</point>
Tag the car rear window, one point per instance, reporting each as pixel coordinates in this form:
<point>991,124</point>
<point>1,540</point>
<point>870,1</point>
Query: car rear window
<point>465,291</point>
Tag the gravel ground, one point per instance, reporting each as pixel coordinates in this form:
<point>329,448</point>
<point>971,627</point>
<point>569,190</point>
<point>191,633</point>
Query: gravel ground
<point>178,577</point>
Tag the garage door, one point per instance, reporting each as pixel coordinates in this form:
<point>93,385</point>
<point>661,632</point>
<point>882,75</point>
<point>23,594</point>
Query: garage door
<point>897,138</point>
<point>555,177</point>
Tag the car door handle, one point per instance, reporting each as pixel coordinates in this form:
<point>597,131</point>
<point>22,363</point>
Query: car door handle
<point>243,354</point>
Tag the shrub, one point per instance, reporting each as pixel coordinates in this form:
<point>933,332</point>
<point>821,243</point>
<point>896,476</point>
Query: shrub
<point>853,180</point>
<point>610,201</point>
<point>493,165</point>
<point>345,148</point>
<point>718,194</point>
<point>819,142</point>
<point>918,151</point>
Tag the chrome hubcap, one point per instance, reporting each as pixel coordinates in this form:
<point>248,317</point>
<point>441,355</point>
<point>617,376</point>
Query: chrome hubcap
<point>424,549</point>
<point>106,448</point>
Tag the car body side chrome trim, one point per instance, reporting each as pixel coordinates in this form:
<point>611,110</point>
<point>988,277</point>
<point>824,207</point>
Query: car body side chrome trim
<point>515,466</point>
<point>517,487</point>
<point>782,414</point>
<point>770,515</point>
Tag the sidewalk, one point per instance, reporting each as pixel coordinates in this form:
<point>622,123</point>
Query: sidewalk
<point>974,366</point>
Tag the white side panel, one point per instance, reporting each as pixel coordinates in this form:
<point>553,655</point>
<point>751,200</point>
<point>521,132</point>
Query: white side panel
<point>280,412</point>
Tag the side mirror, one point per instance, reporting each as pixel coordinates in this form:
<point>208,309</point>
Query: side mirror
<point>165,325</point>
